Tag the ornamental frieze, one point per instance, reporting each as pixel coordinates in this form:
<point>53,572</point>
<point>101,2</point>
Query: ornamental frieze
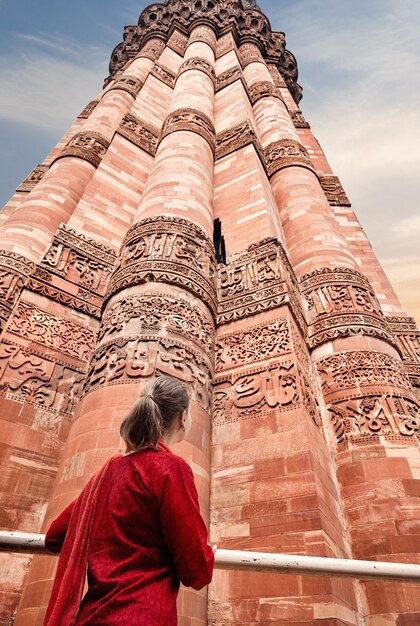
<point>334,191</point>
<point>263,89</point>
<point>14,272</point>
<point>248,53</point>
<point>224,45</point>
<point>132,359</point>
<point>178,42</point>
<point>196,63</point>
<point>46,328</point>
<point>255,392</point>
<point>79,260</point>
<point>259,280</point>
<point>130,84</point>
<point>141,133</point>
<point>88,110</point>
<point>364,420</point>
<point>341,303</point>
<point>42,282</point>
<point>204,34</point>
<point>31,378</point>
<point>230,76</point>
<point>33,178</point>
<point>298,119</point>
<point>286,153</point>
<point>237,137</point>
<point>163,74</point>
<point>89,145</point>
<point>155,312</point>
<point>359,372</point>
<point>190,120</point>
<point>257,343</point>
<point>171,250</point>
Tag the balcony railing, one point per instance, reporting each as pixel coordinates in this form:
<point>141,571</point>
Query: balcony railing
<point>260,561</point>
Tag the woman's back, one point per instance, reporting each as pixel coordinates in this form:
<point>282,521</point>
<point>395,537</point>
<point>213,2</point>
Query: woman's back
<point>147,535</point>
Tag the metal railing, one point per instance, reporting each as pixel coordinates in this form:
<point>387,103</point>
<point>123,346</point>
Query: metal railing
<point>259,561</point>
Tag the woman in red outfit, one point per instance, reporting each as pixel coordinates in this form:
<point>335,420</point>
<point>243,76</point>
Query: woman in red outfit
<point>136,528</point>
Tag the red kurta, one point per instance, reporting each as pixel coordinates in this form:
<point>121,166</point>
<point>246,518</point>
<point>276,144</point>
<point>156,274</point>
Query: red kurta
<point>147,535</point>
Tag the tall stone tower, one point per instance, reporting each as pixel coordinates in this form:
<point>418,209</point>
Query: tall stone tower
<point>188,223</point>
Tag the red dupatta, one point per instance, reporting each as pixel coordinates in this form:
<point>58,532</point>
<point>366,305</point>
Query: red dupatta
<point>69,582</point>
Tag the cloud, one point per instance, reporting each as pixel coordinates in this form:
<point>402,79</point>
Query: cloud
<point>50,82</point>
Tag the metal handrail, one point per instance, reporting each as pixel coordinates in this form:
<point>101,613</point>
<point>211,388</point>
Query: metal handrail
<point>259,561</point>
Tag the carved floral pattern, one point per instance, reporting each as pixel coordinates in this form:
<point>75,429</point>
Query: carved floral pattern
<point>263,89</point>
<point>163,74</point>
<point>254,344</point>
<point>46,328</point>
<point>228,77</point>
<point>237,137</point>
<point>196,63</point>
<point>14,272</point>
<point>130,84</point>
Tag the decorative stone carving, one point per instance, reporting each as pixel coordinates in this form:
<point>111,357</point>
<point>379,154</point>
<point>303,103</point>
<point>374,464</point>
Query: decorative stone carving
<point>275,75</point>
<point>224,45</point>
<point>249,26</point>
<point>142,134</point>
<point>151,49</point>
<point>334,191</point>
<point>79,260</point>
<point>364,420</point>
<point>178,42</point>
<point>34,177</point>
<point>85,301</point>
<point>151,312</point>
<point>298,119</point>
<point>32,378</point>
<point>88,110</point>
<point>131,359</point>
<point>237,137</point>
<point>286,153</point>
<point>407,339</point>
<point>191,120</point>
<point>90,146</point>
<point>203,33</point>
<point>171,250</point>
<point>341,303</point>
<point>258,280</point>
<point>229,77</point>
<point>263,89</point>
<point>255,392</point>
<point>40,326</point>
<point>252,345</point>
<point>163,74</point>
<point>14,272</point>
<point>130,84</point>
<point>196,63</point>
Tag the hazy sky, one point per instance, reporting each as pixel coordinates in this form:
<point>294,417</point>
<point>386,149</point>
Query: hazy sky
<point>359,66</point>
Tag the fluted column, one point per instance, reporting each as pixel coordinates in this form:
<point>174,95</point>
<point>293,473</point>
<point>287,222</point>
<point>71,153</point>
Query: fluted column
<point>312,235</point>
<point>30,228</point>
<point>370,411</point>
<point>160,306</point>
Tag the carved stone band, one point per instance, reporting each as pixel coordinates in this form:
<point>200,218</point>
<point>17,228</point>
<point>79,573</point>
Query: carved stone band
<point>235,138</point>
<point>334,191</point>
<point>130,84</point>
<point>286,153</point>
<point>229,77</point>
<point>140,133</point>
<point>152,49</point>
<point>163,74</point>
<point>191,120</point>
<point>204,33</point>
<point>341,303</point>
<point>89,146</point>
<point>298,119</point>
<point>263,89</point>
<point>88,109</point>
<point>33,178</point>
<point>196,63</point>
<point>14,272</point>
<point>170,250</point>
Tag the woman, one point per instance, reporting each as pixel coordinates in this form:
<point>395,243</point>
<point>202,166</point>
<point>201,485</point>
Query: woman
<point>136,527</point>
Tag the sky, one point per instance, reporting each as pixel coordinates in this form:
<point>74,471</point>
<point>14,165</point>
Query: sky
<point>358,64</point>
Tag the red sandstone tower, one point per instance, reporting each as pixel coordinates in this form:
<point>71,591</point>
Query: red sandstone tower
<point>188,223</point>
